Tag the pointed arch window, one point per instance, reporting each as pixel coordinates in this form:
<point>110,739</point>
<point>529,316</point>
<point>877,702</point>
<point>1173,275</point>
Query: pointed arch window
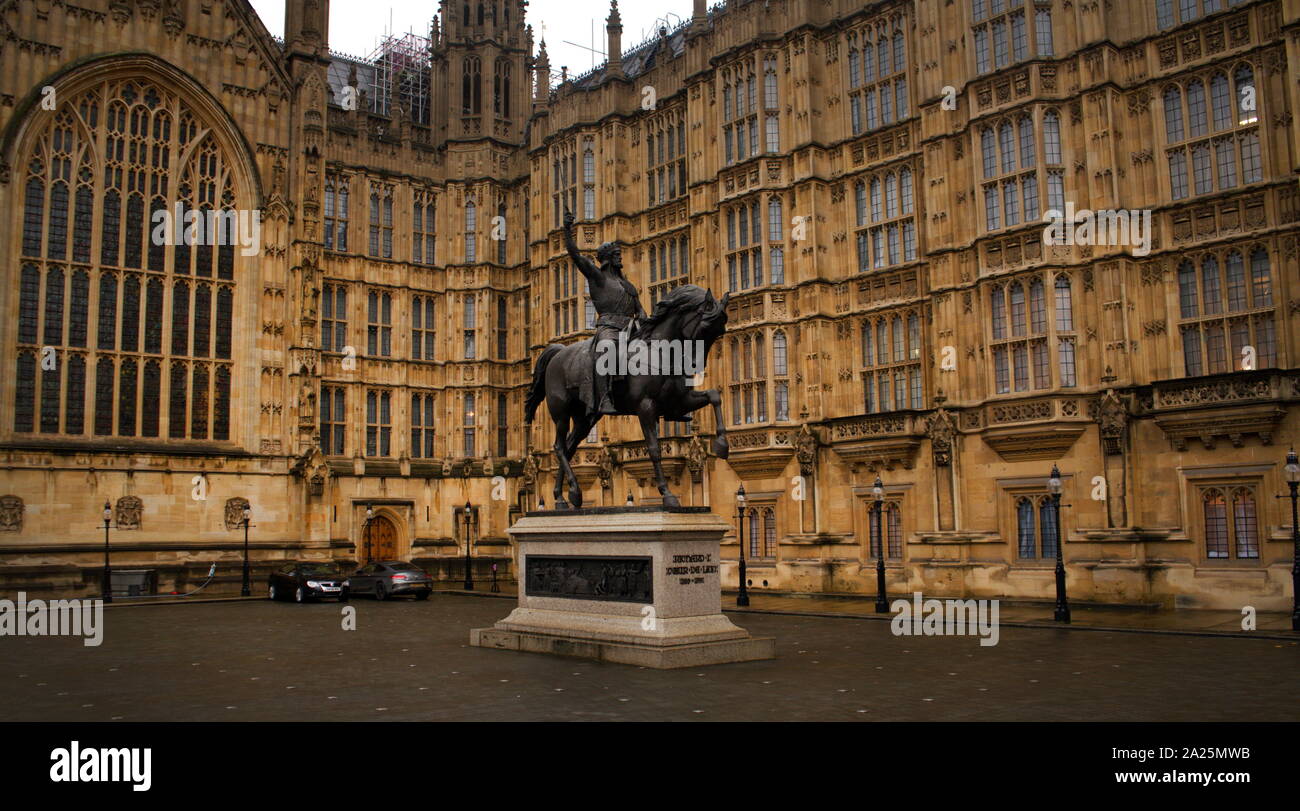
<point>1227,312</point>
<point>471,232</point>
<point>95,174</point>
<point>1230,523</point>
<point>1036,530</point>
<point>471,86</point>
<point>891,526</point>
<point>1223,148</point>
<point>501,89</point>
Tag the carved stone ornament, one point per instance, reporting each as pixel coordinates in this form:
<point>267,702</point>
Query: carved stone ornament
<point>530,471</point>
<point>235,512</point>
<point>1113,416</point>
<point>805,444</point>
<point>942,432</point>
<point>695,457</point>
<point>129,509</point>
<point>606,469</point>
<point>11,514</point>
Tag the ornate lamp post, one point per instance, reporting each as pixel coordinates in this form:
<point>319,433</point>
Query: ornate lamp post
<point>742,597</point>
<point>1062,613</point>
<point>246,589</point>
<point>108,572</point>
<point>1293,482</point>
<point>469,581</point>
<point>370,516</point>
<point>878,506</point>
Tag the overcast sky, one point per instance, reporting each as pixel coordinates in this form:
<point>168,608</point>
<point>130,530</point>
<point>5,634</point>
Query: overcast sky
<point>356,26</point>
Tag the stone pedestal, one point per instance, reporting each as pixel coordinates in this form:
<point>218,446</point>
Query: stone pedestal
<point>635,585</point>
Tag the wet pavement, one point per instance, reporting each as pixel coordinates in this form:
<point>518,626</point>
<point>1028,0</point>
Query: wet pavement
<point>1267,624</point>
<point>254,660</point>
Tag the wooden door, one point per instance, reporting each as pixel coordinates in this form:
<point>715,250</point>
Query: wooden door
<point>383,539</point>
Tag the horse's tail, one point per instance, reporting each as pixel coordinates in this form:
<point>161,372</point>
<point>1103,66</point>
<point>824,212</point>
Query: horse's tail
<point>537,392</point>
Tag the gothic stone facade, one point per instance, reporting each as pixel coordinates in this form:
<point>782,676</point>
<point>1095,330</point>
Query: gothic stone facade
<point>869,181</point>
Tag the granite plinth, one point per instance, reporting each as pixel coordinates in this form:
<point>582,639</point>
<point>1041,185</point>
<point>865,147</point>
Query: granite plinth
<point>631,585</point>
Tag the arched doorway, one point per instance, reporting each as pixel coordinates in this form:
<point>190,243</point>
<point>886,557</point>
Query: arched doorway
<point>381,541</point>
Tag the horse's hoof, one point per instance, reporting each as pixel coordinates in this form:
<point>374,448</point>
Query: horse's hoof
<point>671,501</point>
<point>576,498</point>
<point>560,504</point>
<point>720,448</point>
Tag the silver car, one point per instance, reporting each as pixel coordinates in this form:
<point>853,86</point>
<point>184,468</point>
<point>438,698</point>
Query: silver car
<point>387,578</point>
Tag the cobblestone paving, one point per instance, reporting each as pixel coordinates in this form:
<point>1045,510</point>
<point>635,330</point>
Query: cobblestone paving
<point>256,660</point>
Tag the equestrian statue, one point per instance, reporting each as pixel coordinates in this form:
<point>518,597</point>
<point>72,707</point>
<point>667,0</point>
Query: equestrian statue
<point>586,380</point>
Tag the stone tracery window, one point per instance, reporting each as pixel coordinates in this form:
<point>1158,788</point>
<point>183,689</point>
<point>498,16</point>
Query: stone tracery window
<point>891,362</point>
<point>1212,126</point>
<point>116,322</point>
<point>1022,345</point>
<point>1226,312</point>
<point>877,63</point>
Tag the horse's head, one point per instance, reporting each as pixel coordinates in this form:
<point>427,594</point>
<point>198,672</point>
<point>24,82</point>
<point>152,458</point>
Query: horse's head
<point>688,313</point>
<point>713,318</point>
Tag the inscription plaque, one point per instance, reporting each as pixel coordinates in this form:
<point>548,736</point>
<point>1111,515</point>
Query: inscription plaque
<point>614,579</point>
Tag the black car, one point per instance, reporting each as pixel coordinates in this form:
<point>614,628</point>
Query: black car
<point>306,581</point>
<point>385,578</point>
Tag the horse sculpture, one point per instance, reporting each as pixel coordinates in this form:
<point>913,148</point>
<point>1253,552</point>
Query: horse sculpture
<point>564,372</point>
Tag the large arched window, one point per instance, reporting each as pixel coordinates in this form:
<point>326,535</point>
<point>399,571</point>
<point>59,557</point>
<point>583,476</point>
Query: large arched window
<point>123,307</point>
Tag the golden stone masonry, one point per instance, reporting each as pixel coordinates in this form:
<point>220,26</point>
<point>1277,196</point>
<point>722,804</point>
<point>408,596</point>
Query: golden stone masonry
<point>872,182</point>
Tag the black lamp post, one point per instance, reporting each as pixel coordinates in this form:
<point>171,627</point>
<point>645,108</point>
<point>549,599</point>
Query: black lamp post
<point>108,573</point>
<point>469,580</point>
<point>1293,482</point>
<point>742,598</point>
<point>878,497</point>
<point>246,589</point>
<point>370,516</point>
<point>1062,613</point>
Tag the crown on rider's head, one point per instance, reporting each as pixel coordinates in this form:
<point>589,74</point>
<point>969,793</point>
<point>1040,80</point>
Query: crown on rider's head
<point>606,251</point>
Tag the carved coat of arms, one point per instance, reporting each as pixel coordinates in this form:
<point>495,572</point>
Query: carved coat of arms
<point>128,512</point>
<point>235,512</point>
<point>11,514</point>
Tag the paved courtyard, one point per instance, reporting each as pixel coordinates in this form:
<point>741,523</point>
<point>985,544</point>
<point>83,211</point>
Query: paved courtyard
<point>262,661</point>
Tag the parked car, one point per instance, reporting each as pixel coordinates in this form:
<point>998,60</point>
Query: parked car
<point>387,578</point>
<point>306,580</point>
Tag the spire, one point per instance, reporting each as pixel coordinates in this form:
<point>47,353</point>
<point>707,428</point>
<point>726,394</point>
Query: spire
<point>542,68</point>
<point>614,30</point>
<point>699,16</point>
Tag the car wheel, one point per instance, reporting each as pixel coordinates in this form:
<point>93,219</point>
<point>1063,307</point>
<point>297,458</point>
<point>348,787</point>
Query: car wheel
<point>271,593</point>
<point>298,596</point>
<point>381,593</point>
<point>423,595</point>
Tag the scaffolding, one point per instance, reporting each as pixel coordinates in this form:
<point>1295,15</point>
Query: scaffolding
<point>402,64</point>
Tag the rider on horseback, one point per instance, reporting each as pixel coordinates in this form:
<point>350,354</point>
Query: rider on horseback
<point>614,298</point>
